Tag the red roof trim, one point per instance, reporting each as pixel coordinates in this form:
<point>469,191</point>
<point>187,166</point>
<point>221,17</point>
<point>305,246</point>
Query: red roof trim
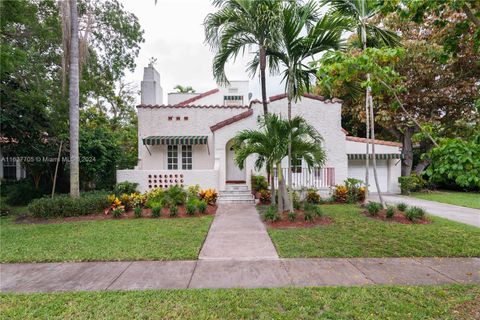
<point>306,95</point>
<point>200,96</point>
<point>231,120</point>
<point>165,106</point>
<point>383,142</point>
<point>345,131</point>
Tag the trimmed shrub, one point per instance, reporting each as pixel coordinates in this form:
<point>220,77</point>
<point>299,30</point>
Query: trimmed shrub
<point>390,212</point>
<point>340,194</point>
<point>291,216</point>
<point>265,196</point>
<point>414,213</point>
<point>154,196</point>
<point>402,206</point>
<point>117,213</point>
<point>65,206</point>
<point>209,195</point>
<point>313,196</point>
<point>373,208</point>
<point>271,214</point>
<point>193,191</point>
<point>125,187</point>
<point>156,210</point>
<point>259,183</point>
<point>21,192</point>
<point>191,207</point>
<point>308,216</point>
<point>173,210</point>
<point>410,183</point>
<point>202,206</point>
<point>177,195</point>
<point>137,212</point>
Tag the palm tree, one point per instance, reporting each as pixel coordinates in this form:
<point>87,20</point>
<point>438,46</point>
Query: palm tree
<point>302,37</point>
<point>74,97</point>
<point>269,144</point>
<point>237,25</point>
<point>184,89</point>
<point>360,17</point>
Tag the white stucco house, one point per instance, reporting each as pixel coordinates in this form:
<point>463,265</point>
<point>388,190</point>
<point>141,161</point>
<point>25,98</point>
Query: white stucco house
<point>187,141</point>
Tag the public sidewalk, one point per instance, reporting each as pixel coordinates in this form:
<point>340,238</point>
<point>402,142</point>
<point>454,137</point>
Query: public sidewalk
<point>141,275</point>
<point>448,211</point>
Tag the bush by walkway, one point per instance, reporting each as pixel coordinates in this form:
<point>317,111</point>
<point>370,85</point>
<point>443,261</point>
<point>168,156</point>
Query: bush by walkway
<point>354,235</point>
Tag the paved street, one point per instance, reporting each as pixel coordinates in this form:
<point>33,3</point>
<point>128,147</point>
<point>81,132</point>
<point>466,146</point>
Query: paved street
<point>444,210</point>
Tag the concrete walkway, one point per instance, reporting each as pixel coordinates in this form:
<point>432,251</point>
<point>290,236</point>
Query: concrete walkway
<point>142,275</point>
<point>237,233</point>
<point>448,211</point>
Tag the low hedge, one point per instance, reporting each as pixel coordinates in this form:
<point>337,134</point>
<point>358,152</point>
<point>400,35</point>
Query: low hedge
<point>65,206</point>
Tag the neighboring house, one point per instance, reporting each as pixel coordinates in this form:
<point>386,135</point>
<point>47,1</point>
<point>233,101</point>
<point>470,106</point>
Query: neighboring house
<point>10,167</point>
<point>189,140</point>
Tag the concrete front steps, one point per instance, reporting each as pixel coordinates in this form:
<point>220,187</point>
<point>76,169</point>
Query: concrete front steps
<point>236,193</point>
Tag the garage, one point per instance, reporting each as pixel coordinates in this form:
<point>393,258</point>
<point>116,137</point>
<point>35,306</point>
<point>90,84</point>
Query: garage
<point>356,169</point>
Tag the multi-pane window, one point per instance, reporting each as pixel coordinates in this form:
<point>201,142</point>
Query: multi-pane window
<point>10,170</point>
<point>297,164</point>
<point>172,157</point>
<point>187,157</point>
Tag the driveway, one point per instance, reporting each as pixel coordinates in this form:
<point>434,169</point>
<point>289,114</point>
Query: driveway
<point>448,211</point>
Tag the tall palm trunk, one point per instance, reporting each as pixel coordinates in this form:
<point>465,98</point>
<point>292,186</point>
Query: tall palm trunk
<point>263,67</point>
<point>374,160</point>
<point>290,187</point>
<point>281,186</point>
<point>272,183</point>
<point>367,121</point>
<point>74,93</point>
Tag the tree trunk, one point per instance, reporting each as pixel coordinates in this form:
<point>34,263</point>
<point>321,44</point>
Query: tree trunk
<point>407,150</point>
<point>374,161</point>
<point>263,67</point>
<point>281,192</point>
<point>367,120</point>
<point>272,185</point>
<point>74,93</point>
<point>56,167</point>
<point>290,187</point>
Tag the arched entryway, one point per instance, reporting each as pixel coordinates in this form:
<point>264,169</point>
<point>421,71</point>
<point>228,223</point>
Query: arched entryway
<point>233,173</point>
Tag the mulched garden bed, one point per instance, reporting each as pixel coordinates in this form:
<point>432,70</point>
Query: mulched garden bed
<point>299,221</point>
<point>147,213</point>
<point>398,217</point>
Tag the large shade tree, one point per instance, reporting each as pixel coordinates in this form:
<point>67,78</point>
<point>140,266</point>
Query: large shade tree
<point>303,35</point>
<point>361,17</point>
<point>241,25</point>
<point>269,144</point>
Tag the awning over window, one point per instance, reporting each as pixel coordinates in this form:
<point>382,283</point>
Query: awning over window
<point>175,140</point>
<point>378,156</point>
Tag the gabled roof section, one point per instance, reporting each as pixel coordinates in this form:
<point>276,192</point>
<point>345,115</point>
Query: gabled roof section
<point>307,95</point>
<point>166,106</point>
<point>382,142</point>
<point>231,120</point>
<point>200,96</point>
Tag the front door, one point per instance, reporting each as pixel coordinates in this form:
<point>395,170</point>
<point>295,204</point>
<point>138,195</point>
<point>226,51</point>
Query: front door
<point>234,173</point>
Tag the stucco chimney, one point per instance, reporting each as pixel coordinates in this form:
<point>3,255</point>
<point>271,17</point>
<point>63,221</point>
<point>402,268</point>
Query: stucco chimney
<point>152,92</point>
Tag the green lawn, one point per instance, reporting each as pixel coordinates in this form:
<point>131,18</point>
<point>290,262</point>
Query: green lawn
<point>354,235</point>
<point>132,239</point>
<point>422,302</point>
<point>464,199</point>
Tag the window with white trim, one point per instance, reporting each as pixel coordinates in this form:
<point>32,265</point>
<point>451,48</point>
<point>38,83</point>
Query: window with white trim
<point>10,169</point>
<point>187,157</point>
<point>172,157</point>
